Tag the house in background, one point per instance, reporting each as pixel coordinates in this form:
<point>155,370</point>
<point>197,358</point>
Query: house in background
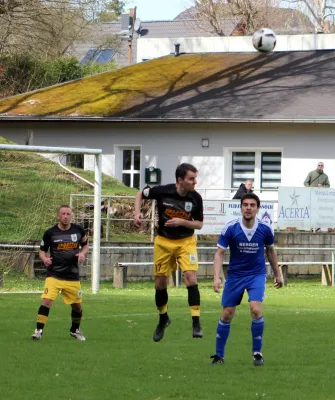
<point>128,35</point>
<point>125,51</point>
<point>284,21</point>
<point>266,117</point>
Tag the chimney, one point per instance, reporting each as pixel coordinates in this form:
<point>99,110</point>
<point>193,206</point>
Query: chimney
<point>176,49</point>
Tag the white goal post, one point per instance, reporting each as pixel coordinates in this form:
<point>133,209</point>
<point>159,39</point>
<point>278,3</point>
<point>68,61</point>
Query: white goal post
<point>97,196</point>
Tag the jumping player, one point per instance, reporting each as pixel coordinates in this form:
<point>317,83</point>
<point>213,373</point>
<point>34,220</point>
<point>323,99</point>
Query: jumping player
<point>180,212</point>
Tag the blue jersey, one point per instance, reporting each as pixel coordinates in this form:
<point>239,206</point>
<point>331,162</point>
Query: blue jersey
<point>246,246</point>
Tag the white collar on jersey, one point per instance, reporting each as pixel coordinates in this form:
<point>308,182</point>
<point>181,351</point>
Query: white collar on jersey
<point>249,232</point>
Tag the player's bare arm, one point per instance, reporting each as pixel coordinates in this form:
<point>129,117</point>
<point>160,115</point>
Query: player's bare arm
<point>218,261</point>
<point>174,222</point>
<point>84,249</point>
<point>138,204</point>
<point>273,260</point>
<point>47,260</point>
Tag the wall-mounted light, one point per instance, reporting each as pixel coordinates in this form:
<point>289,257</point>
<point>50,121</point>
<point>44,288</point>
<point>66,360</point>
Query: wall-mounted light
<point>205,143</point>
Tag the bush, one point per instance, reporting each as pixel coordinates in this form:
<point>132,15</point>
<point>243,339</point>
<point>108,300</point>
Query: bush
<point>22,72</point>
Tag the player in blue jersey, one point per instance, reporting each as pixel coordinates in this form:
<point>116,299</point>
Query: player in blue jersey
<point>246,238</point>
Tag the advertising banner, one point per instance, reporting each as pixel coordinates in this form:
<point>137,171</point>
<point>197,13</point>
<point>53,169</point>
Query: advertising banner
<point>322,208</point>
<point>218,212</point>
<point>294,208</point>
<point>306,208</point>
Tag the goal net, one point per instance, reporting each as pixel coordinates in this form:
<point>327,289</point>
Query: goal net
<point>34,183</point>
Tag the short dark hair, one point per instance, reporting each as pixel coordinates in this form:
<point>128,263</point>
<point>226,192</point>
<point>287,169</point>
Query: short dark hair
<point>64,206</point>
<point>182,170</point>
<point>251,196</point>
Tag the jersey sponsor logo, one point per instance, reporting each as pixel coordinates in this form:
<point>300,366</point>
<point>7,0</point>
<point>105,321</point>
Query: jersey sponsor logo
<point>146,192</point>
<point>251,248</point>
<point>74,237</point>
<point>177,214</point>
<point>193,258</point>
<point>188,206</point>
<point>67,246</point>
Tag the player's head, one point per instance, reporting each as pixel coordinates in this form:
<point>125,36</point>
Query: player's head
<point>250,204</point>
<point>64,215</point>
<point>186,177</point>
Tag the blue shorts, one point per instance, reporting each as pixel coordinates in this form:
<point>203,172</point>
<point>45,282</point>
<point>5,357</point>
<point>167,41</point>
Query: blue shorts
<point>234,288</point>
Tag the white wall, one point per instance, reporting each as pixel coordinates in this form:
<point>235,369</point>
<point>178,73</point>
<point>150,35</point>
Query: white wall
<point>153,48</point>
<point>167,145</point>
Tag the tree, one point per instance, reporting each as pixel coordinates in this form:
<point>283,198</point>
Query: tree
<point>36,36</point>
<point>112,11</point>
<point>321,12</point>
<point>250,14</point>
<point>48,28</point>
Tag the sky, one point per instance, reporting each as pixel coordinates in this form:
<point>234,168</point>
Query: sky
<point>153,10</point>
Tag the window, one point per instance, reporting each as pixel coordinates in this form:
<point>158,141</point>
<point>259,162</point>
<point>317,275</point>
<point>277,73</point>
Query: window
<point>270,170</point>
<point>98,56</point>
<point>104,56</point>
<point>131,166</point>
<point>243,167</point>
<point>75,160</point>
<point>262,167</point>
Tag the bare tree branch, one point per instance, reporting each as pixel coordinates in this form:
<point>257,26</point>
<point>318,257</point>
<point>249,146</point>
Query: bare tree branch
<point>251,14</point>
<point>49,27</point>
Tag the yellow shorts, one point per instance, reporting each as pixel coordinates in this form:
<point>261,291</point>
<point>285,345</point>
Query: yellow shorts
<point>71,290</point>
<point>167,253</point>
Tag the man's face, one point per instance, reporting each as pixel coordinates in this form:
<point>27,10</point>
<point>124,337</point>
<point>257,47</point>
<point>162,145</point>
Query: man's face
<point>248,185</point>
<point>249,209</point>
<point>65,215</point>
<point>189,181</point>
<point>320,166</point>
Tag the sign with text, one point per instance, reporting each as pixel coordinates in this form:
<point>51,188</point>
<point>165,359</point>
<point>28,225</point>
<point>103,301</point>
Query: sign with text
<point>294,208</point>
<point>306,208</point>
<point>322,208</point>
<point>218,212</point>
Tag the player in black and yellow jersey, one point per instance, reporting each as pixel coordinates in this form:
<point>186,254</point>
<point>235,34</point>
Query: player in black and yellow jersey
<point>180,211</point>
<point>67,244</point>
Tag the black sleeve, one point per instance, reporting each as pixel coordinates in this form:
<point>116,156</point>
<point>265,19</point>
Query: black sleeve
<point>199,214</point>
<point>46,242</point>
<point>151,192</point>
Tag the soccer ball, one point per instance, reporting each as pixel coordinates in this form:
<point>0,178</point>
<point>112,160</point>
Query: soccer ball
<point>264,40</point>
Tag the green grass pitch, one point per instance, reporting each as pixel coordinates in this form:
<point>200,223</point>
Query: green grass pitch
<point>119,360</point>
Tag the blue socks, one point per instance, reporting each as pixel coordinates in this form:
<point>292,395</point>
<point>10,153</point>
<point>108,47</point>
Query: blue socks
<point>222,334</point>
<point>257,329</point>
<point>223,330</point>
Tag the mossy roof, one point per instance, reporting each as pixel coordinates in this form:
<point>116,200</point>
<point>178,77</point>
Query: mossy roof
<point>279,85</point>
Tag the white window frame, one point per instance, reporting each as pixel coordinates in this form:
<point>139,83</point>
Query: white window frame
<point>119,171</point>
<point>228,155</point>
